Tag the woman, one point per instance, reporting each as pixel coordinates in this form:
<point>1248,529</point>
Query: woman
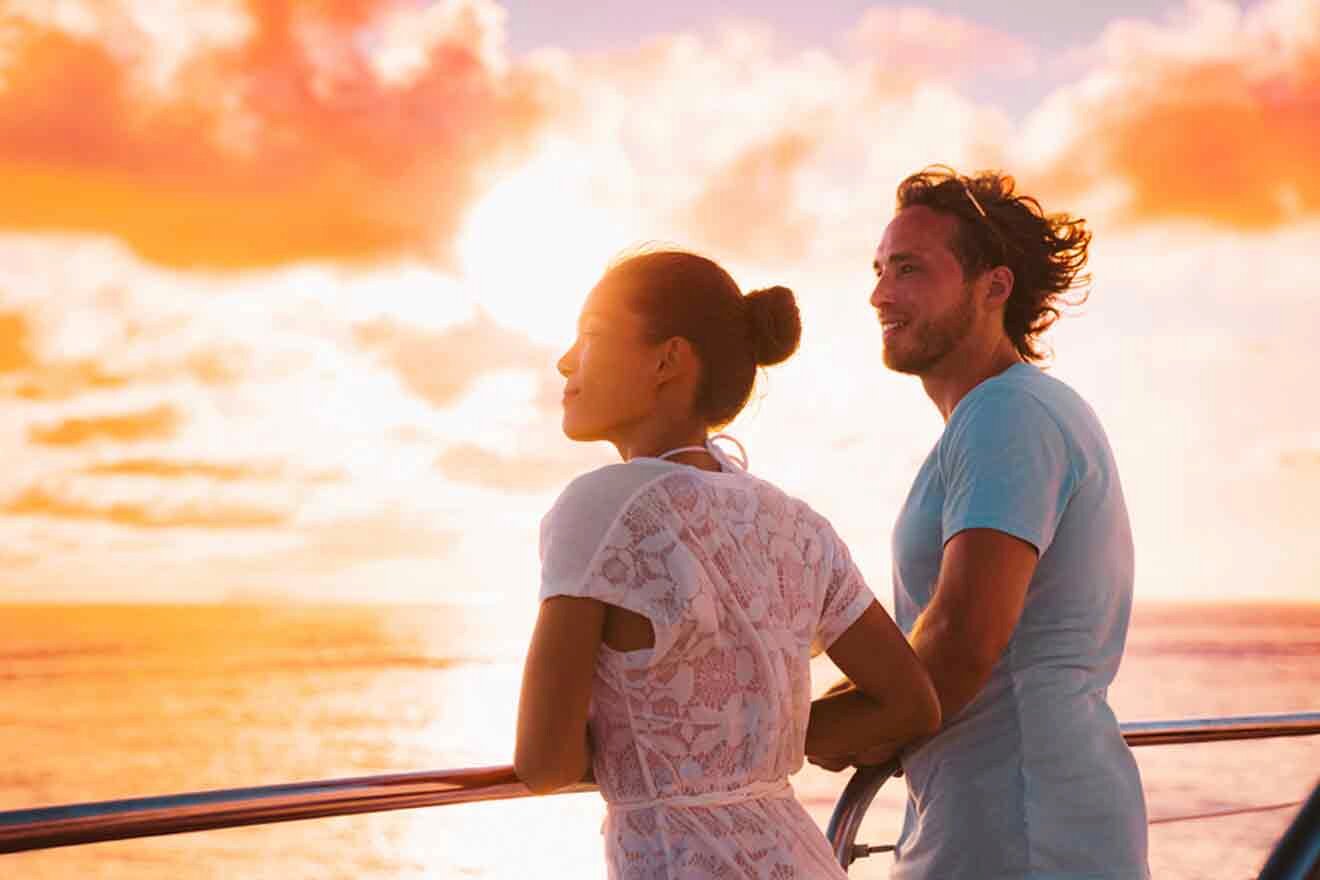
<point>681,597</point>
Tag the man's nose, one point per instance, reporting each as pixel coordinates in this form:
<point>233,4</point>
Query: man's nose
<point>880,294</point>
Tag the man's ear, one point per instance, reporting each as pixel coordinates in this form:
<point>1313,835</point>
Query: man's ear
<point>999,285</point>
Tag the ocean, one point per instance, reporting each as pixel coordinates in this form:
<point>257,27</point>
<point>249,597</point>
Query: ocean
<point>111,701</point>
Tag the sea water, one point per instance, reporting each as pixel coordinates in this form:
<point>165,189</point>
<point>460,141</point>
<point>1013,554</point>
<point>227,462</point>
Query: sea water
<point>114,701</point>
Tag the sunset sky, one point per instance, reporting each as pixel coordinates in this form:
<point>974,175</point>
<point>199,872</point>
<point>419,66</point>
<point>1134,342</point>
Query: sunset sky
<point>282,282</point>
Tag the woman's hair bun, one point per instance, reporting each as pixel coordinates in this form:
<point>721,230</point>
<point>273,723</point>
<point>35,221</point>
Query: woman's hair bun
<point>775,323</point>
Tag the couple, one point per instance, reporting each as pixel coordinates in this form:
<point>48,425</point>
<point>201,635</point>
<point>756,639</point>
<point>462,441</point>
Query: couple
<point>682,598</point>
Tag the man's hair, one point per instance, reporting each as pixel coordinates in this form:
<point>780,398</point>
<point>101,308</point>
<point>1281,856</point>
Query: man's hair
<point>998,227</point>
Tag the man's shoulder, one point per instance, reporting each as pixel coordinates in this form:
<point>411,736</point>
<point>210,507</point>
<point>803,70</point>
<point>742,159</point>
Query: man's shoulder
<point>1021,394</point>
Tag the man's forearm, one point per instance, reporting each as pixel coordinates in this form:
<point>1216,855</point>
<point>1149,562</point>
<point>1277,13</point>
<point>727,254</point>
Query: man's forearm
<point>957,673</point>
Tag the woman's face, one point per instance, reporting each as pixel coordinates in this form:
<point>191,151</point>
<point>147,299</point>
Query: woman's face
<point>610,374</point>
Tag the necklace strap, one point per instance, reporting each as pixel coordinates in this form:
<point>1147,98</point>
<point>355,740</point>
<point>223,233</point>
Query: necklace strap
<point>724,459</point>
<point>721,454</point>
<point>680,450</point>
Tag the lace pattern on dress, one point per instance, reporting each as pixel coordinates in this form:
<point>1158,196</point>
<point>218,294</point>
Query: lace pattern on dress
<point>739,582</point>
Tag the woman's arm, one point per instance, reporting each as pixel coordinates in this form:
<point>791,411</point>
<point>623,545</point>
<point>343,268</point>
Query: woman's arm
<point>552,749</point>
<point>891,704</point>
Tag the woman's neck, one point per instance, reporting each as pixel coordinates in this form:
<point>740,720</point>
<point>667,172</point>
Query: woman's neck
<point>654,441</point>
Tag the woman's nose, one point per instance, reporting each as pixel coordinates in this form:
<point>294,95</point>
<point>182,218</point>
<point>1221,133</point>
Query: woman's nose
<point>565,363</point>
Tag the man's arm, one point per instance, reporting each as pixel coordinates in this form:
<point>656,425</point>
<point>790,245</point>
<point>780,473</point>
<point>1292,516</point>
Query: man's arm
<point>978,601</point>
<point>961,635</point>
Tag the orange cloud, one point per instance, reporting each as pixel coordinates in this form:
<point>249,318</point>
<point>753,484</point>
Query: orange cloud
<point>157,423</point>
<point>165,469</point>
<point>64,380</point>
<point>291,145</point>
<point>750,208</point>
<point>1302,459</point>
<point>471,464</point>
<point>1220,127</point>
<point>440,367</point>
<point>15,353</point>
<point>27,371</point>
<point>40,502</point>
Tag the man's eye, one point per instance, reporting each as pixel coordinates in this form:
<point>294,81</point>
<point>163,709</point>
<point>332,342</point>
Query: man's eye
<point>906,269</point>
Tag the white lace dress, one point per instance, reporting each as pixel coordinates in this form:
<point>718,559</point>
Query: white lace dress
<point>695,738</point>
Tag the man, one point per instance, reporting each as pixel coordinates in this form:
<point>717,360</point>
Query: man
<point>1013,560</point>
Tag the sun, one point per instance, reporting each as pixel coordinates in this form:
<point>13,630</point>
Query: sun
<point>535,243</point>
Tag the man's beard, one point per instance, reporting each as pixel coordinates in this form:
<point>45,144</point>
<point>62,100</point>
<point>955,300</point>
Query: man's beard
<point>932,339</point>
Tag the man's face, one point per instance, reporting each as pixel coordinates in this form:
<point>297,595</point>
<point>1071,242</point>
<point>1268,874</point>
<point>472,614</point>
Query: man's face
<point>924,302</point>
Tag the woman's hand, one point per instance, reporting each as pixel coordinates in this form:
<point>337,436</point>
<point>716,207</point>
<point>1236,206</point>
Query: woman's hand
<point>833,763</point>
<point>842,686</point>
<point>886,702</point>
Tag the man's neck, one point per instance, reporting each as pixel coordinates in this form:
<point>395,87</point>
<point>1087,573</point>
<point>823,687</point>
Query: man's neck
<point>950,380</point>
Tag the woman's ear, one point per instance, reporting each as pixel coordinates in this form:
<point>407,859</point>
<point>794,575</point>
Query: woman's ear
<point>677,359</point>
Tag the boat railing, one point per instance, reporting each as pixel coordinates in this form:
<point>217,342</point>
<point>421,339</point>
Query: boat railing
<point>862,788</point>
<point>72,824</point>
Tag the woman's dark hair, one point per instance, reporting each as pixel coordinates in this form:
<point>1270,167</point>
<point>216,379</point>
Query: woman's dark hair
<point>681,294</point>
<point>998,227</point>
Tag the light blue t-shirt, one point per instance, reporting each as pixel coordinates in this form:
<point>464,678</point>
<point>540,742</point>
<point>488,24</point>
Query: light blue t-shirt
<point>1031,779</point>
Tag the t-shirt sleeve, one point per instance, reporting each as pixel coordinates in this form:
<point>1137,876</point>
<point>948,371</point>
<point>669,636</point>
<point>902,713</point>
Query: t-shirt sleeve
<point>846,594</point>
<point>1006,466</point>
<point>574,532</point>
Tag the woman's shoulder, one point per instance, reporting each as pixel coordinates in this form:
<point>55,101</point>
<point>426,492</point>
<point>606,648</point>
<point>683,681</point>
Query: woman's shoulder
<point>773,496</point>
<point>612,478</point>
<point>607,489</point>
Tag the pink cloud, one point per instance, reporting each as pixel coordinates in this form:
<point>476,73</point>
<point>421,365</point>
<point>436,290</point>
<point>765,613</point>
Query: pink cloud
<point>911,43</point>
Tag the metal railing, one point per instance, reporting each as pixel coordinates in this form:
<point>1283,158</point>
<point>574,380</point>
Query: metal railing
<point>72,824</point>
<point>68,825</point>
<point>856,799</point>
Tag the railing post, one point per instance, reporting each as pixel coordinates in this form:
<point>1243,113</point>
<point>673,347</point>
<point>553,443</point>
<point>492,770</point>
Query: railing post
<point>851,808</point>
<point>1297,855</point>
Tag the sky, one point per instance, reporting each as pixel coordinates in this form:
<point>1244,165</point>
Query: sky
<point>282,284</point>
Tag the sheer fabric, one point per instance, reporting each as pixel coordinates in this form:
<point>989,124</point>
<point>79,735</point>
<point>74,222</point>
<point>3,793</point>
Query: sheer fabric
<point>694,738</point>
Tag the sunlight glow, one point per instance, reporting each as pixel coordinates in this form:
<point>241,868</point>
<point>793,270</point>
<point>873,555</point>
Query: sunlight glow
<point>534,245</point>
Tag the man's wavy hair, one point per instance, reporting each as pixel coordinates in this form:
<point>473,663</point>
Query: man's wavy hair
<point>998,227</point>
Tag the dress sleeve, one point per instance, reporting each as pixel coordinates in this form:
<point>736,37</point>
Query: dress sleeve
<point>845,594</point>
<point>1006,466</point>
<point>574,533</point>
